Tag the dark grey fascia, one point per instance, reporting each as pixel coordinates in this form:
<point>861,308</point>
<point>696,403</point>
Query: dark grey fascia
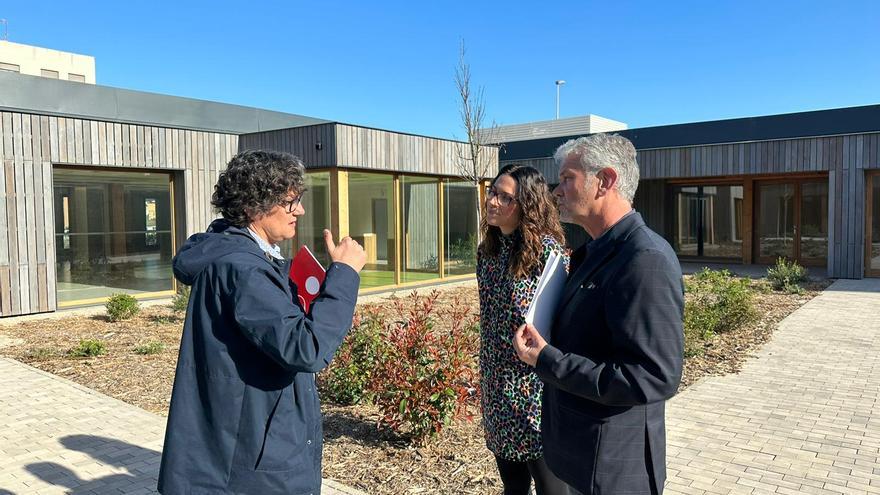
<point>44,96</point>
<point>835,122</point>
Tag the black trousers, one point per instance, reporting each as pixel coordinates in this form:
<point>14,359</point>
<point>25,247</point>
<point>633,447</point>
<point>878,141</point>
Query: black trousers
<point>517,478</point>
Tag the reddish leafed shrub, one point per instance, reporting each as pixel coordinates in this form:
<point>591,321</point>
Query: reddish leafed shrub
<point>347,379</point>
<point>427,373</point>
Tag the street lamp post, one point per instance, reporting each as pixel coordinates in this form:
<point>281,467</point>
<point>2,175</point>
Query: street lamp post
<point>559,83</point>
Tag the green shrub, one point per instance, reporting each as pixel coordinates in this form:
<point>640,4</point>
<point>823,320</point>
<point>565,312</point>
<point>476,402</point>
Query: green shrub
<point>88,348</point>
<point>762,286</point>
<point>464,251</point>
<point>162,319</point>
<point>787,276</point>
<point>347,378</point>
<point>716,302</point>
<point>122,307</point>
<point>181,300</point>
<point>40,353</point>
<point>694,339</point>
<point>152,347</point>
<point>426,377</point>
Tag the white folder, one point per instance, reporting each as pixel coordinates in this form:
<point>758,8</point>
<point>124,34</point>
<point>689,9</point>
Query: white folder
<point>543,308</point>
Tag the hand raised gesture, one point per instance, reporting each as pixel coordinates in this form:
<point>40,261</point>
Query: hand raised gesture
<point>348,251</point>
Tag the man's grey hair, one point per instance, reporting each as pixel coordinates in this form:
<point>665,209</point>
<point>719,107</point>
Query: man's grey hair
<point>599,151</point>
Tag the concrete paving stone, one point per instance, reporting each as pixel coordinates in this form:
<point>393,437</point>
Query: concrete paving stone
<point>677,488</point>
<point>57,436</point>
<point>739,472</point>
<point>729,485</point>
<point>853,476</point>
<point>805,481</point>
<point>843,489</point>
<point>710,488</point>
<point>812,490</point>
<point>862,486</point>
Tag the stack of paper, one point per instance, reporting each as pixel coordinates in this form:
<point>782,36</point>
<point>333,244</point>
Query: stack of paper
<point>550,285</point>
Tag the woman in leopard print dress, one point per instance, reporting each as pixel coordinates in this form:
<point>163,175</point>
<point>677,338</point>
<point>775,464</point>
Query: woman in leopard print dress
<point>520,230</point>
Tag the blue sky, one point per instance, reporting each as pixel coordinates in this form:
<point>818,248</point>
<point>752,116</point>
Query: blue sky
<point>390,64</point>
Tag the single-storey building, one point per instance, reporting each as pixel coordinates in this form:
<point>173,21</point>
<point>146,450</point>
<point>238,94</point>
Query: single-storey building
<point>804,186</point>
<point>100,185</point>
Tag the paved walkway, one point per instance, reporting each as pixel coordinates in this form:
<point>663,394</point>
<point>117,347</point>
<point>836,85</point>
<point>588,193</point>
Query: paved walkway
<point>59,437</point>
<point>803,417</point>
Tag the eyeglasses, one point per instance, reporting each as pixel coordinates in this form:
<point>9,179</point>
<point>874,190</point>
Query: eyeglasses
<point>503,198</point>
<point>291,204</point>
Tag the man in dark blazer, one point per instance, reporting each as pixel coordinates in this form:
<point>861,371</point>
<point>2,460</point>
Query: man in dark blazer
<point>616,349</point>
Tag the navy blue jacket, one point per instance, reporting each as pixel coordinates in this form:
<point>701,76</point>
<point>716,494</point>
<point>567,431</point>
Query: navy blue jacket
<point>244,414</point>
<point>615,357</point>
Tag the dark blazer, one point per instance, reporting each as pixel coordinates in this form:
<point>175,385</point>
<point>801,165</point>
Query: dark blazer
<point>244,414</point>
<point>615,357</point>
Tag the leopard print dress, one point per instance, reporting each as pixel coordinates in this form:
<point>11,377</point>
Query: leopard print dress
<point>511,391</point>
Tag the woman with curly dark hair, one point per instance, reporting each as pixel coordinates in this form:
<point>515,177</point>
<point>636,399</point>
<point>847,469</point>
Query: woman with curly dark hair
<point>520,229</point>
<point>244,415</point>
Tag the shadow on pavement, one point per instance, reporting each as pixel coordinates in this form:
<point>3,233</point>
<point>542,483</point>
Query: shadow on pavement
<point>142,465</point>
<point>358,431</point>
<point>856,285</point>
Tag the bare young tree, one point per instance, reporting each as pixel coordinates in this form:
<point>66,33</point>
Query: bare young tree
<point>476,155</point>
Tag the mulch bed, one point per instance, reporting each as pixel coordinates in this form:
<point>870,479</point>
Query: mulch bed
<point>356,451</point>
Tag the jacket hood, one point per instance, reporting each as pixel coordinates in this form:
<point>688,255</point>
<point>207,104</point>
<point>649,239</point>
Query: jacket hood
<point>201,249</point>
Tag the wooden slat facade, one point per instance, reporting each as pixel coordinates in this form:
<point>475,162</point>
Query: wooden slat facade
<point>348,146</point>
<point>366,148</point>
<point>845,159</point>
<point>315,144</point>
<point>31,145</point>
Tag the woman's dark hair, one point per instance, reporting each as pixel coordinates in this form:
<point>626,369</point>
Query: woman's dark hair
<point>538,218</point>
<point>254,182</point>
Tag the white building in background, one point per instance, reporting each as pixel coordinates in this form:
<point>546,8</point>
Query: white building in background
<point>54,64</point>
<point>584,124</point>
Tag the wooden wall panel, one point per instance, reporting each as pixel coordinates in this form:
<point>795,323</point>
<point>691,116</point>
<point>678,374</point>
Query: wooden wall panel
<point>547,167</point>
<point>650,201</point>
<point>29,147</point>
<point>374,149</point>
<point>363,148</point>
<point>300,141</point>
<point>764,157</point>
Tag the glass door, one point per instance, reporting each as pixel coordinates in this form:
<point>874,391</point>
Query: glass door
<point>419,222</point>
<point>791,221</point>
<point>872,235</point>
<point>813,231</point>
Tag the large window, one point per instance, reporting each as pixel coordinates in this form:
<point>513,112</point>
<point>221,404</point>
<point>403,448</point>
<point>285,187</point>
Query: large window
<point>371,223</point>
<point>460,234</point>
<point>707,221</point>
<point>112,233</point>
<point>310,226</point>
<point>419,245</point>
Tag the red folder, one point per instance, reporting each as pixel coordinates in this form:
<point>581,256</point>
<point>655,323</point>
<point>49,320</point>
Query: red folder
<point>308,275</point>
